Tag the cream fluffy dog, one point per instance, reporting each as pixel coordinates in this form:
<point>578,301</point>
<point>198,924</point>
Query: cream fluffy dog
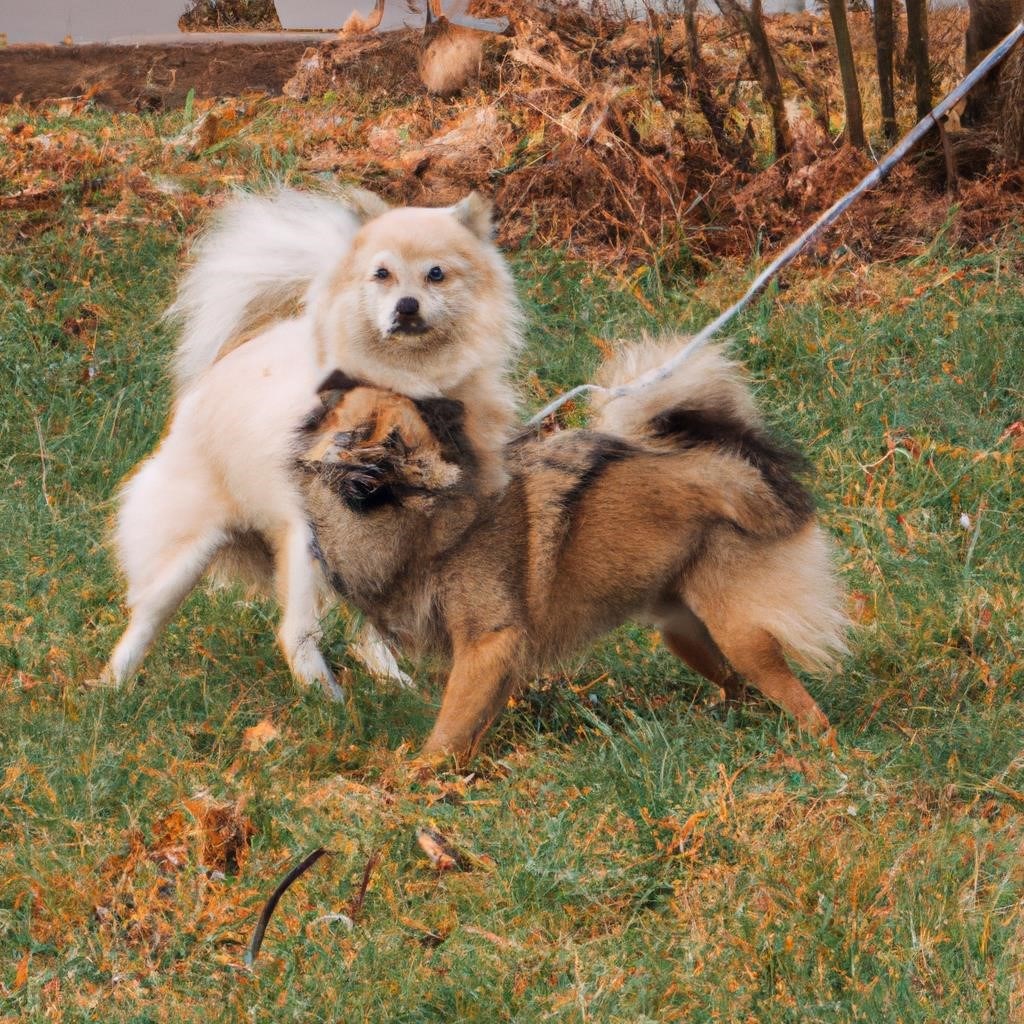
<point>285,288</point>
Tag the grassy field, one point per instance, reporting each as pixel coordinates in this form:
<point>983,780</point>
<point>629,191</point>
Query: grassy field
<point>636,856</point>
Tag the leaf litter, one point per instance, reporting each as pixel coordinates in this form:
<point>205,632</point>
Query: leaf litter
<point>585,130</point>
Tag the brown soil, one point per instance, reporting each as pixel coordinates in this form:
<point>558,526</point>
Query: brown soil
<point>146,76</point>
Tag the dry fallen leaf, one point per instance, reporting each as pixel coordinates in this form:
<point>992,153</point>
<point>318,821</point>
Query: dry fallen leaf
<point>260,735</point>
<point>21,975</point>
<point>443,856</point>
<point>222,830</point>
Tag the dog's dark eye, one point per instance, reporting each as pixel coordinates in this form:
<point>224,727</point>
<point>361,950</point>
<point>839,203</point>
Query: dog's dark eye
<point>381,273</point>
<point>435,274</point>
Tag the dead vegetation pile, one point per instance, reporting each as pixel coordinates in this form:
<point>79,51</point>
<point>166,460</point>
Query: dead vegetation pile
<point>595,133</point>
<point>137,898</point>
<point>217,15</point>
<point>1011,84</point>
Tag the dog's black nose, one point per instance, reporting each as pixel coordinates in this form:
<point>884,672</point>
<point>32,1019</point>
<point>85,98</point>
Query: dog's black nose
<point>407,306</point>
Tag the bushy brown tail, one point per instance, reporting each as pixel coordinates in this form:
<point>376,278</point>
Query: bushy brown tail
<point>705,405</point>
<point>705,411</point>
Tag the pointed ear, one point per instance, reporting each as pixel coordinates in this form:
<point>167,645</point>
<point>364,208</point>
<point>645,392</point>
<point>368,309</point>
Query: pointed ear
<point>364,204</point>
<point>476,212</point>
<point>444,417</point>
<point>334,386</point>
<point>330,393</point>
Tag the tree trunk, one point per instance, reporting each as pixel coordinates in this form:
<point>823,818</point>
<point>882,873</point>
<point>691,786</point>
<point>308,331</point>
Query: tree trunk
<point>848,72</point>
<point>761,59</point>
<point>989,22</point>
<point>700,86</point>
<point>885,44</point>
<point>917,54</point>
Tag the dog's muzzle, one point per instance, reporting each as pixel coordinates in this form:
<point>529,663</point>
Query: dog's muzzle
<point>409,325</point>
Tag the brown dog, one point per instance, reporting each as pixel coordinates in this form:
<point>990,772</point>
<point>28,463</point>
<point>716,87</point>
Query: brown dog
<point>677,510</point>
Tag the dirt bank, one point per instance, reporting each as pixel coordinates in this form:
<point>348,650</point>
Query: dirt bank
<point>150,74</point>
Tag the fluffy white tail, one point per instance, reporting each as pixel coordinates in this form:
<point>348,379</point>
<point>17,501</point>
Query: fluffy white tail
<point>256,261</point>
<point>708,380</point>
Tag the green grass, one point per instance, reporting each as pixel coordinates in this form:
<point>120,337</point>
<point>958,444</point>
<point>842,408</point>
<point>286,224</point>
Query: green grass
<point>639,856</point>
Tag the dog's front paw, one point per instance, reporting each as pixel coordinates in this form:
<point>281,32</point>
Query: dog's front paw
<point>309,668</point>
<point>428,765</point>
<point>377,658</point>
<point>107,679</point>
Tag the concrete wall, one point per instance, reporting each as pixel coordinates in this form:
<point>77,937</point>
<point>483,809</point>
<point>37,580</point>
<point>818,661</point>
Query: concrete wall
<point>86,21</point>
<point>96,21</point>
<point>49,21</point>
<point>332,14</point>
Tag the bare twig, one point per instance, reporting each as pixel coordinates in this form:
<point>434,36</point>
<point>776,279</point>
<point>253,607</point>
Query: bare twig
<point>531,58</point>
<point>355,905</point>
<point>43,456</point>
<point>268,909</point>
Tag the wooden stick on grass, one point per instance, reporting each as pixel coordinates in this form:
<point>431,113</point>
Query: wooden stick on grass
<point>268,908</point>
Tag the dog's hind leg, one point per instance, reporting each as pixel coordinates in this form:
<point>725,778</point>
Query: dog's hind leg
<point>757,656</point>
<point>689,640</point>
<point>299,591</point>
<point>482,676</point>
<point>152,603</point>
